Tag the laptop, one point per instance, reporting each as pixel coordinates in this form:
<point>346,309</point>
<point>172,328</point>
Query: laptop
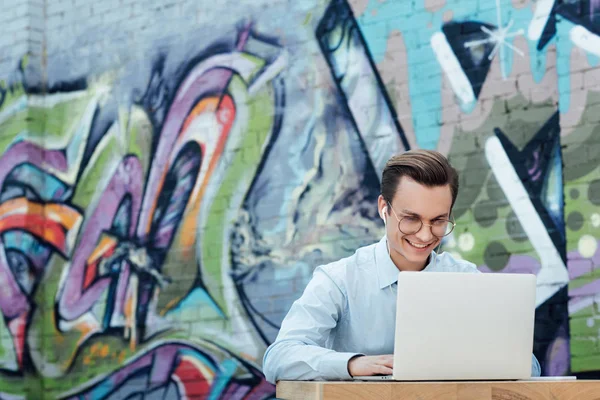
<point>463,326</point>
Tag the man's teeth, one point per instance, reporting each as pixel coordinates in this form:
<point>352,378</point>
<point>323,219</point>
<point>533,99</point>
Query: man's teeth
<point>420,246</point>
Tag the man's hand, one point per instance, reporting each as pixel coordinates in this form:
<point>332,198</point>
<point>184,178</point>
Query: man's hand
<point>371,365</point>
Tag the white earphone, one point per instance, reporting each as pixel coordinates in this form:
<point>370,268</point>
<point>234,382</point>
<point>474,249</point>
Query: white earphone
<point>383,211</point>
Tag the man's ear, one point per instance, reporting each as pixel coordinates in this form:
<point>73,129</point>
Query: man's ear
<point>383,210</point>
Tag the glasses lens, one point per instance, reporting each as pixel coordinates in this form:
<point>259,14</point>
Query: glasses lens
<point>442,227</point>
<point>409,225</point>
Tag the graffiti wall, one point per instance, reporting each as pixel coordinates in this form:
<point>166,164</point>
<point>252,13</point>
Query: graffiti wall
<point>166,193</point>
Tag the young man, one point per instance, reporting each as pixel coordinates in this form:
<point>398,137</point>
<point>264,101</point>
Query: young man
<point>343,324</point>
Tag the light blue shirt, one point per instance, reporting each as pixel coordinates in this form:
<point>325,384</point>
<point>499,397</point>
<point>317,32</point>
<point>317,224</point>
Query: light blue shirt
<point>348,308</point>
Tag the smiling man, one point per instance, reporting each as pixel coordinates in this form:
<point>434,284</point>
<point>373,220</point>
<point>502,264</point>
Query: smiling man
<point>343,324</point>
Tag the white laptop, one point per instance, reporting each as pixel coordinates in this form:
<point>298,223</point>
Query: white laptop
<point>463,326</point>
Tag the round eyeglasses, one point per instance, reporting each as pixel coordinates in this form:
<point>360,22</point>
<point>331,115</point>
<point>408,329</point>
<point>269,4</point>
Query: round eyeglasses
<point>409,225</point>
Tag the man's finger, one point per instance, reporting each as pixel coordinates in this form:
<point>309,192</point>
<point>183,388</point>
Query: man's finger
<point>382,369</point>
<point>388,361</point>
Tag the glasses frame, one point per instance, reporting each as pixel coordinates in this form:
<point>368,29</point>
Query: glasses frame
<point>451,222</point>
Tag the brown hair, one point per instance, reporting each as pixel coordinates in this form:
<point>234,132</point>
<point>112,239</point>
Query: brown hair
<point>427,167</point>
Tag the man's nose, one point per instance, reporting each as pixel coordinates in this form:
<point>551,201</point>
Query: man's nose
<point>424,234</point>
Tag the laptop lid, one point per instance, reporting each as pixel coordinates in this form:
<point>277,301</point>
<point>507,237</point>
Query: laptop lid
<point>464,326</point>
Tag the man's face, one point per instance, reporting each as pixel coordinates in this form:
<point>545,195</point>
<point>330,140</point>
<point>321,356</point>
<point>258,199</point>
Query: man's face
<point>414,201</point>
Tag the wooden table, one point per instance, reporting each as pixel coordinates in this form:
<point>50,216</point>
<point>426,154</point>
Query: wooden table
<point>506,390</point>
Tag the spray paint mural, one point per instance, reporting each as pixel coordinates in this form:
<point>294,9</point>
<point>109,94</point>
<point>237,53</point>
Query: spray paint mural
<point>506,90</point>
<point>113,231</point>
<point>154,231</point>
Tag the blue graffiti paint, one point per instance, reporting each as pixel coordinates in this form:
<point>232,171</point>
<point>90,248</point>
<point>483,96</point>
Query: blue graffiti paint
<point>227,368</point>
<point>563,63</point>
<point>197,299</point>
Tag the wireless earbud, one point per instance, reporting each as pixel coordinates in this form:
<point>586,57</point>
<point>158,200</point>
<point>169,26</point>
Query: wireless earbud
<point>383,212</point>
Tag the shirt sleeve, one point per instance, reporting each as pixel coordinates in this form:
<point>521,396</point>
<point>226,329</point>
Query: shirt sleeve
<point>302,349</point>
<point>536,370</point>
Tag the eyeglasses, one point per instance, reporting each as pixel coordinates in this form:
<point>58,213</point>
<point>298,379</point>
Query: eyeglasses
<point>410,225</point>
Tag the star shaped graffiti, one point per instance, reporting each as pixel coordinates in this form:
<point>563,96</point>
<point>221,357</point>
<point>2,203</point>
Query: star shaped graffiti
<point>499,38</point>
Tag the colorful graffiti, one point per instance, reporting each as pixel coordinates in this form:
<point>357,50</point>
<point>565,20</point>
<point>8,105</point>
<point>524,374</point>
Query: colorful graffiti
<point>95,198</point>
<point>505,90</point>
<point>158,219</point>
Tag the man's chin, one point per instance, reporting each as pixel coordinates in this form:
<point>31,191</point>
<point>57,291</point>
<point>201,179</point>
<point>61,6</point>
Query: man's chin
<point>414,261</point>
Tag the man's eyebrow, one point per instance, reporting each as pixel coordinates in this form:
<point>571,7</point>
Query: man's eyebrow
<point>406,211</point>
<point>412,213</point>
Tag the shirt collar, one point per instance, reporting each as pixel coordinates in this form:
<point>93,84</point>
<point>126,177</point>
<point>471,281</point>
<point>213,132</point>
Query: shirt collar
<point>387,272</point>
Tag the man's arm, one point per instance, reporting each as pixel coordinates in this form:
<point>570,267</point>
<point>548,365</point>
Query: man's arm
<point>300,351</point>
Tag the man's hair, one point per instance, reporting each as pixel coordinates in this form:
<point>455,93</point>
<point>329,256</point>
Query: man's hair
<point>427,167</point>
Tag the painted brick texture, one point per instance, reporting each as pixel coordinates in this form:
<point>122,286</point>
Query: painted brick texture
<point>173,171</point>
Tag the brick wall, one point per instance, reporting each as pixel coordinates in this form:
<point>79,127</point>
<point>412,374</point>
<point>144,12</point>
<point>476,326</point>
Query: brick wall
<point>15,23</point>
<point>173,172</point>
